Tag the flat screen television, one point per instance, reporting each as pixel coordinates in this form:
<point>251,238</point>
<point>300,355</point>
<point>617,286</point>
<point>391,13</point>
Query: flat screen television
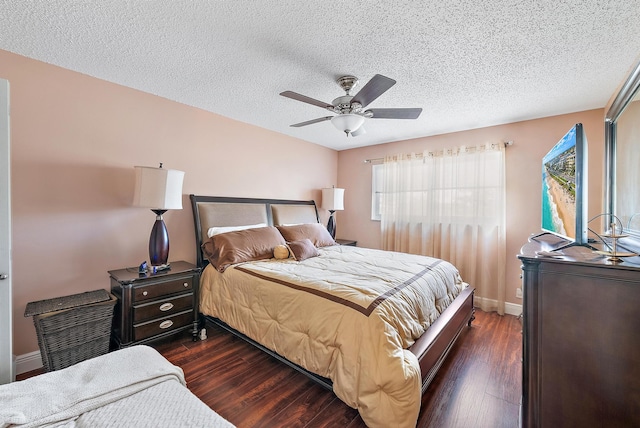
<point>564,188</point>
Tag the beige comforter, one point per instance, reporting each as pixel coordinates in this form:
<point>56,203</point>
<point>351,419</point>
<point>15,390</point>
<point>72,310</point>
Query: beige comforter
<point>348,315</point>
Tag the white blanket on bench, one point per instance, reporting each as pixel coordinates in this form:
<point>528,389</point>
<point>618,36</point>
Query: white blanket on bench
<point>60,398</point>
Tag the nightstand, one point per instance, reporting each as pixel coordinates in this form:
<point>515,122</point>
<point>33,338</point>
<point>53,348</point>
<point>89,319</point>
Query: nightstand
<point>346,242</point>
<point>152,306</point>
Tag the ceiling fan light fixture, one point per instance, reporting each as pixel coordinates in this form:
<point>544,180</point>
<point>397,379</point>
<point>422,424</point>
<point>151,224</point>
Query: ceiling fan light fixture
<point>347,123</point>
<point>359,131</point>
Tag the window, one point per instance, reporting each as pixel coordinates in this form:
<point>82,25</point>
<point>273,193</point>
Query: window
<point>450,205</point>
<point>377,184</point>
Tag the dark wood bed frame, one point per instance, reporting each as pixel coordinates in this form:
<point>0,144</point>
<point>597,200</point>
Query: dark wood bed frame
<point>431,348</point>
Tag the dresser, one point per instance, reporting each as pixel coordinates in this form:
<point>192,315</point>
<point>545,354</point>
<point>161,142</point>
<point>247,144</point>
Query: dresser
<point>581,338</point>
<point>152,306</point>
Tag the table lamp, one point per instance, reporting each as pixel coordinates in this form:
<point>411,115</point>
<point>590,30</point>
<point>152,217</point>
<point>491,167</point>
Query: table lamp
<point>332,200</point>
<point>161,190</point>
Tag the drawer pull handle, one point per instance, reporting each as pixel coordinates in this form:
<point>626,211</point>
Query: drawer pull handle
<point>166,324</point>
<point>186,284</point>
<point>166,306</point>
<point>144,293</point>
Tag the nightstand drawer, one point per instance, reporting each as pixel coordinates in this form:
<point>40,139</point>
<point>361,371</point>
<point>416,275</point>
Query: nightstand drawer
<point>162,308</point>
<point>155,290</point>
<point>151,328</point>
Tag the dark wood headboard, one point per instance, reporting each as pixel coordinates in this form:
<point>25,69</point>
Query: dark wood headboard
<point>209,211</point>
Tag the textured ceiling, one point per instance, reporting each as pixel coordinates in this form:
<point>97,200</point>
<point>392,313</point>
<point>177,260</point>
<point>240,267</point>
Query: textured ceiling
<point>467,63</point>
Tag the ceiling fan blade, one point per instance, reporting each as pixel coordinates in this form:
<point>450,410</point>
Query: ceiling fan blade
<point>375,87</point>
<point>299,97</point>
<point>395,113</point>
<point>311,122</point>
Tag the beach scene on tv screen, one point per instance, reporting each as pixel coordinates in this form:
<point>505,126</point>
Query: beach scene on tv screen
<point>559,187</point>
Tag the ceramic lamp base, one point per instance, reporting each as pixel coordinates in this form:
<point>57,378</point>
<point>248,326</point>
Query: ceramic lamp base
<point>331,225</point>
<point>159,242</point>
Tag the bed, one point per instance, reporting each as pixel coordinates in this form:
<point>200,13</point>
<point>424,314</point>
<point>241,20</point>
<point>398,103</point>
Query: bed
<point>372,325</point>
<point>133,386</point>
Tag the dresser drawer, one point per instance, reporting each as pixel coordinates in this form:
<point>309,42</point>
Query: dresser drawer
<point>159,289</point>
<point>162,308</point>
<point>151,328</point>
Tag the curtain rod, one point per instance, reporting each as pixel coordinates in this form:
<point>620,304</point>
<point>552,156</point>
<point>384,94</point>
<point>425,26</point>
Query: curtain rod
<point>376,160</point>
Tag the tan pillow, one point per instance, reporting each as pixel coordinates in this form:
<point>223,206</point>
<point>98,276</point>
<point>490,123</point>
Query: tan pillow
<point>303,249</point>
<point>281,252</point>
<point>315,232</point>
<point>241,246</point>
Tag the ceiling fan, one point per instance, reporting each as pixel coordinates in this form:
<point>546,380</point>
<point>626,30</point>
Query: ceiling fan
<point>350,109</point>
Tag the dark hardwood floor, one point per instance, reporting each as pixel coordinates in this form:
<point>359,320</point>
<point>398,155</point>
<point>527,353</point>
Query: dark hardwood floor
<point>479,385</point>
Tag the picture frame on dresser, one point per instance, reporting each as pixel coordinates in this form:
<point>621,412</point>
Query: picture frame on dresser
<point>153,306</point>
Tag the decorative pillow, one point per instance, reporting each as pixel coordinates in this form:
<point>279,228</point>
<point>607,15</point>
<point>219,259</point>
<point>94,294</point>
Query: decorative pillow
<point>224,229</point>
<point>315,232</point>
<point>281,252</point>
<point>303,249</point>
<point>241,246</point>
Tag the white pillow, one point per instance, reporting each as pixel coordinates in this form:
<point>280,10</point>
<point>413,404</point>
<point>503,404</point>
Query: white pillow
<point>217,230</point>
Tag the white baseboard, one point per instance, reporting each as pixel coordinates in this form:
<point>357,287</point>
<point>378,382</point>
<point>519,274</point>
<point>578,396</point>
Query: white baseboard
<point>28,362</point>
<point>490,305</point>
<point>512,309</point>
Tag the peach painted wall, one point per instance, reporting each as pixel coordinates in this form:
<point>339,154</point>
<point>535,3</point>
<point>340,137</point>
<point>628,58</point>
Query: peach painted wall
<point>532,139</point>
<point>74,142</point>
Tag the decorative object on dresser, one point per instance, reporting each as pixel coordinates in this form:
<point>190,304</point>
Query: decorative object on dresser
<point>161,190</point>
<point>610,239</point>
<point>332,201</point>
<point>152,306</point>
<point>580,337</point>
<point>72,328</point>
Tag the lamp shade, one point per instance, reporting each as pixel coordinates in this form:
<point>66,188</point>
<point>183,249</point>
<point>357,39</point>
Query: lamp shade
<point>158,188</point>
<point>333,199</point>
<point>347,123</point>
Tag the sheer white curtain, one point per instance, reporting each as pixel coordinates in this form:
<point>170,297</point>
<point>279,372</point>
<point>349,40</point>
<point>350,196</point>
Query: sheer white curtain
<point>451,205</point>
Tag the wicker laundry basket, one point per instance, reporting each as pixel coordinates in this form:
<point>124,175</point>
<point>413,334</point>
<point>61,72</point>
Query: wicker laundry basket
<point>72,328</point>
